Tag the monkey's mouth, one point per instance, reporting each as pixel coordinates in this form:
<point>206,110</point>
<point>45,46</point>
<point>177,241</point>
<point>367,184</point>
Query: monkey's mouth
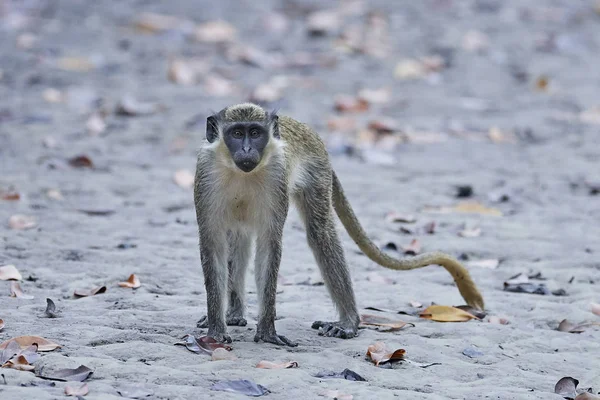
<point>246,165</point>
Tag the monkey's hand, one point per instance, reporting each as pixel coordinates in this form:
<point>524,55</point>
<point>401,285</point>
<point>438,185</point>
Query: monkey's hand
<point>336,329</point>
<point>222,337</point>
<point>270,336</point>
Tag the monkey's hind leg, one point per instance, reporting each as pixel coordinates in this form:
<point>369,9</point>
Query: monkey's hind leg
<point>315,207</point>
<point>239,255</point>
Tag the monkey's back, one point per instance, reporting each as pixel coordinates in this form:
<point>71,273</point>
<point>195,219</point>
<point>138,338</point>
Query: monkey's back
<point>301,140</point>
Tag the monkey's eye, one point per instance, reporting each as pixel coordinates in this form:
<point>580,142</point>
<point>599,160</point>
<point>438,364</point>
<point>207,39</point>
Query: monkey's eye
<point>254,133</point>
<point>237,134</point>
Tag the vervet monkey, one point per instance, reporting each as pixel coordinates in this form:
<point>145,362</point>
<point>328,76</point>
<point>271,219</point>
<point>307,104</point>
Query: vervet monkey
<point>250,167</point>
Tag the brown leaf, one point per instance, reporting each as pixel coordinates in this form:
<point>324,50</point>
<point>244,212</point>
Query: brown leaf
<point>1,324</point>
<point>469,207</point>
<point>383,126</point>
<point>10,195</point>
<point>382,322</point>
<point>595,308</point>
<point>221,353</point>
<point>77,391</point>
<point>446,314</point>
<point>350,104</point>
<point>81,161</point>
<point>26,341</point>
<point>22,222</point>
<point>16,291</point>
<point>215,32</point>
<point>490,263</point>
<point>90,292</point>
<point>379,354</point>
<point>205,344</point>
<point>20,363</point>
<point>187,72</point>
<point>153,23</point>
<point>133,282</point>
<point>9,273</point>
<point>413,248</point>
<point>586,395</point>
<point>567,326</point>
<point>78,374</point>
<point>271,365</point>
<point>473,311</point>
<point>541,84</point>
<point>404,218</point>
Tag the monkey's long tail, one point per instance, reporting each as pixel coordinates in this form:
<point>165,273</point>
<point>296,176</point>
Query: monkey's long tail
<point>464,282</point>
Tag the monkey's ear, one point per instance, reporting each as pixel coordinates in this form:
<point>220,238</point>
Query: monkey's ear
<point>275,125</point>
<point>212,130</point>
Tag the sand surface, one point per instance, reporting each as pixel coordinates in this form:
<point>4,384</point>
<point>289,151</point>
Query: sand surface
<point>547,168</point>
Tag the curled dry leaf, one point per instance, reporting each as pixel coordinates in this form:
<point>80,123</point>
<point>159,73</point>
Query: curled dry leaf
<point>78,374</point>
<point>485,263</point>
<point>22,222</point>
<point>50,309</point>
<point>271,365</point>
<point>386,324</point>
<point>586,396</point>
<point>16,291</point>
<point>90,292</point>
<point>1,324</point>
<point>350,104</point>
<point>215,32</point>
<point>404,218</point>
<point>77,391</point>
<point>595,308</point>
<point>567,326</point>
<point>467,207</point>
<point>20,363</point>
<point>130,106</point>
<point>133,282</point>
<point>566,387</point>
<point>204,344</point>
<point>9,273</point>
<point>336,395</point>
<point>446,314</point>
<point>413,248</point>
<point>27,341</point>
<point>81,161</point>
<point>221,353</point>
<point>379,354</point>
<point>473,311</point>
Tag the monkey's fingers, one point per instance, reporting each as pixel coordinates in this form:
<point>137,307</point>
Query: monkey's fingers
<point>275,339</point>
<point>202,322</point>
<point>334,329</point>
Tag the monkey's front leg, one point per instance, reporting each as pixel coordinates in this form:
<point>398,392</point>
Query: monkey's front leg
<point>213,253</point>
<point>268,258</point>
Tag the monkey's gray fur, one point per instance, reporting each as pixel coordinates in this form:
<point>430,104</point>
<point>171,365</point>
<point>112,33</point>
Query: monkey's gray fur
<point>237,209</point>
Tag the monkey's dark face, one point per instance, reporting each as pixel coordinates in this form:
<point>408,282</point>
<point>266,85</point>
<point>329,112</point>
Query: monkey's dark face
<point>246,142</point>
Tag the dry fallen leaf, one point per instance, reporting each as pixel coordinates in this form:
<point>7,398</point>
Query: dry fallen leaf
<point>215,32</point>
<point>404,218</point>
<point>473,311</point>
<point>78,374</point>
<point>203,344</point>
<point>498,320</point>
<point>131,106</point>
<point>10,195</point>
<point>470,232</point>
<point>187,71</point>
<point>566,387</point>
<point>341,124</point>
<point>567,326</point>
<point>22,222</point>
<point>133,282</point>
<point>595,308</point>
<point>446,314</point>
<point>490,263</point>
<point>413,248</point>
<point>50,311</point>
<point>350,104</point>
<point>20,363</point>
<point>271,365</point>
<point>336,395</point>
<point>81,161</point>
<point>90,292</point>
<point>379,354</point>
<point>221,353</point>
<point>586,395</point>
<point>541,84</point>
<point>1,324</point>
<point>381,322</point>
<point>9,273</point>
<point>26,341</point>
<point>16,291</point>
<point>184,178</point>
<point>77,391</point>
<point>468,207</point>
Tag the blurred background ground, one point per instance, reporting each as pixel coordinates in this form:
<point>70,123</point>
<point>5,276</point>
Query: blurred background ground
<point>102,105</point>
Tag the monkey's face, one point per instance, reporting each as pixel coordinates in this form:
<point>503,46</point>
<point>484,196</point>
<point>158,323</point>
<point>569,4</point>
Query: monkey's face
<point>246,142</point>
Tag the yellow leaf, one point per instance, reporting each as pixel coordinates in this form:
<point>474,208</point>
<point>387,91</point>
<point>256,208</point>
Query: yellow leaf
<point>26,341</point>
<point>133,282</point>
<point>446,314</point>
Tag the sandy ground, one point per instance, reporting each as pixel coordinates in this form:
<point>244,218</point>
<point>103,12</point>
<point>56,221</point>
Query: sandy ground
<point>550,222</point>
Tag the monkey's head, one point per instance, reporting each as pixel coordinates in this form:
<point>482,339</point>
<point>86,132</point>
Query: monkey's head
<point>246,130</point>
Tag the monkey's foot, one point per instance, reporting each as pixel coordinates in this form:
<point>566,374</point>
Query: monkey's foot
<point>219,337</point>
<point>335,329</point>
<point>236,321</point>
<point>275,339</point>
<point>202,322</point>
